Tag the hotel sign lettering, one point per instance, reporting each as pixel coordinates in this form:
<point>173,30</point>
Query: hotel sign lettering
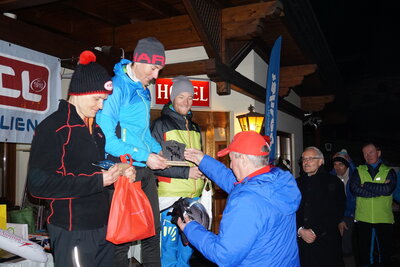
<point>201,97</point>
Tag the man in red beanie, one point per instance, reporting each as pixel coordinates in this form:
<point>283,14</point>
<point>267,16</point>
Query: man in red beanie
<point>61,170</point>
<point>258,226</point>
<point>125,121</point>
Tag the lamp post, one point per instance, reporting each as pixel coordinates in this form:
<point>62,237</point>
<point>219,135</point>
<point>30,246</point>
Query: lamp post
<point>251,121</point>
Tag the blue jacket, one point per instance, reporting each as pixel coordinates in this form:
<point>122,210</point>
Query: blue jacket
<point>370,189</point>
<point>396,193</point>
<point>128,105</point>
<point>258,226</point>
<point>350,198</point>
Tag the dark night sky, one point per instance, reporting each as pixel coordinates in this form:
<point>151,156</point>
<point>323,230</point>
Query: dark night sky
<point>364,38</point>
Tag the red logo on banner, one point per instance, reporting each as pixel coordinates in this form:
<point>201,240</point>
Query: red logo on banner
<point>23,85</point>
<point>201,97</point>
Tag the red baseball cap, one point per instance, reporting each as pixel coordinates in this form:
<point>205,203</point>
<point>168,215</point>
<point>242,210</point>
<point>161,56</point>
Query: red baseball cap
<point>247,142</point>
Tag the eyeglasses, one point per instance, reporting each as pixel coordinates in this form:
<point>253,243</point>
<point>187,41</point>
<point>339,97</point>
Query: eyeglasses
<point>309,159</point>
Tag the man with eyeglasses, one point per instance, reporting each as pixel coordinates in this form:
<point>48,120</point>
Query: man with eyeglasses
<point>321,209</point>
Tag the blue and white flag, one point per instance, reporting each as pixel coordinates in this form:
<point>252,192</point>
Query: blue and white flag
<point>271,102</point>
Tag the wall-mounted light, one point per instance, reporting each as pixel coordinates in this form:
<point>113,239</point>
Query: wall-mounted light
<point>251,121</point>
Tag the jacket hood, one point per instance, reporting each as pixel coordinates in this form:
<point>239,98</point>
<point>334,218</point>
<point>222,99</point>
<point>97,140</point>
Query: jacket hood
<point>278,187</point>
<point>120,73</point>
<point>119,67</point>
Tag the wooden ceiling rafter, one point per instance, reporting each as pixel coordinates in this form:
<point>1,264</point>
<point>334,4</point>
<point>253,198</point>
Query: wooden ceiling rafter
<point>206,19</point>
<point>218,72</point>
<point>241,22</point>
<point>189,68</point>
<point>245,21</point>
<point>89,9</point>
<point>20,33</point>
<point>17,4</point>
<point>292,76</point>
<point>174,33</point>
<point>316,103</point>
<point>236,58</point>
<point>179,32</point>
<point>158,7</point>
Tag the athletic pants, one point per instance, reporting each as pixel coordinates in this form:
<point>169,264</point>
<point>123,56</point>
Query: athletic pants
<point>87,248</point>
<point>384,235</point>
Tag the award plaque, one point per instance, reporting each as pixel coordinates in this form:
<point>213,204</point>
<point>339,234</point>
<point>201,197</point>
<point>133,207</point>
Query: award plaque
<point>173,152</point>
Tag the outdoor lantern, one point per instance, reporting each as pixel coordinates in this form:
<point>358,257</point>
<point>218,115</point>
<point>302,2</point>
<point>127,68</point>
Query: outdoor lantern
<point>251,121</point>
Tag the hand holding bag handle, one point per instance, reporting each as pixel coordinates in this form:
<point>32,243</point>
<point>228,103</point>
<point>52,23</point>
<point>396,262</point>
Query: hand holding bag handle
<point>131,216</point>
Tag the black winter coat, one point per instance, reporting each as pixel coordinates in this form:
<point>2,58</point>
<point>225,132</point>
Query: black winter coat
<point>61,170</point>
<point>321,209</point>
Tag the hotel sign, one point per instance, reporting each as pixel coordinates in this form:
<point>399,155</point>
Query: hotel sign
<point>201,97</point>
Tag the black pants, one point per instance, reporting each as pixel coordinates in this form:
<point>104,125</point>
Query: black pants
<point>347,238</point>
<point>325,251</point>
<point>87,248</point>
<point>150,246</point>
<point>384,234</point>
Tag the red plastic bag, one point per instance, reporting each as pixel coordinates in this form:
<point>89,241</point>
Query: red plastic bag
<point>131,216</point>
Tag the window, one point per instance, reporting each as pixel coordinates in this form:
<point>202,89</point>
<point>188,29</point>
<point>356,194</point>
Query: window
<point>284,150</point>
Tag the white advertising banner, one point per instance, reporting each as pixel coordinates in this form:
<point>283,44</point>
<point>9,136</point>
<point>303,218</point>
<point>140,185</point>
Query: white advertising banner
<point>30,87</point>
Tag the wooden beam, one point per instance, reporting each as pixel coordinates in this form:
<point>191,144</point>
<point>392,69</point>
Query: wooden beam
<point>237,58</point>
<point>179,32</point>
<point>246,20</point>
<point>298,70</point>
<point>222,74</point>
<point>111,17</point>
<point>18,4</point>
<point>316,103</point>
<point>22,34</point>
<point>163,9</point>
<point>283,91</point>
<point>291,81</point>
<point>292,76</point>
<point>199,67</point>
<point>185,68</point>
<point>219,72</point>
<point>175,32</point>
<point>206,18</point>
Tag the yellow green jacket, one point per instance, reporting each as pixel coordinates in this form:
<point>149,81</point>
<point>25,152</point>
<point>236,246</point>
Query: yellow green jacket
<point>173,181</point>
<point>377,209</point>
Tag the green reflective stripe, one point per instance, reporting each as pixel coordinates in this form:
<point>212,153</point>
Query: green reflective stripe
<point>123,134</point>
<point>374,209</point>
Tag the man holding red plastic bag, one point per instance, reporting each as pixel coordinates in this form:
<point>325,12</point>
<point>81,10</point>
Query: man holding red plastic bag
<point>62,170</point>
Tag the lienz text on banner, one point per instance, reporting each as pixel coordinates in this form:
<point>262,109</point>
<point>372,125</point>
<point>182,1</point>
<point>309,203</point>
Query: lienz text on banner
<point>30,87</point>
